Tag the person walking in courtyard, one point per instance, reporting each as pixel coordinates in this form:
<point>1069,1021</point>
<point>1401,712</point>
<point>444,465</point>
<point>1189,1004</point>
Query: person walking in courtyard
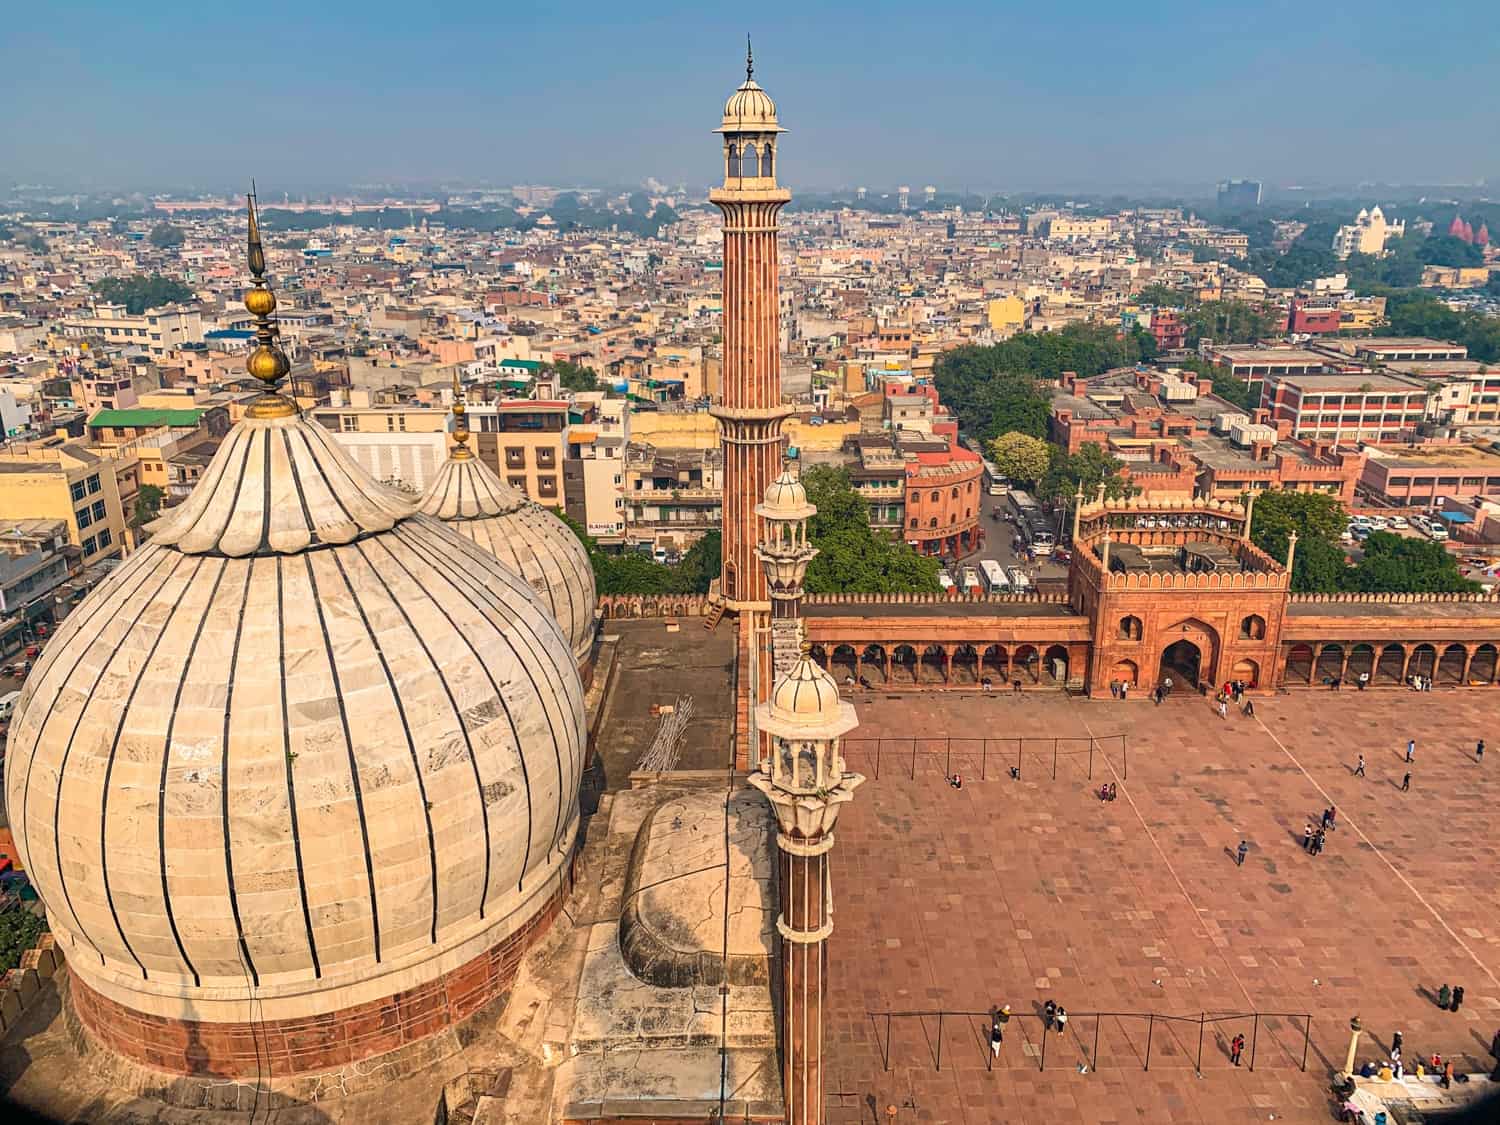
<point>1359,768</point>
<point>1479,751</point>
<point>1249,708</point>
<point>1406,782</point>
<point>1396,1041</point>
<point>1062,1019</point>
<point>1445,997</point>
<point>1411,749</point>
<point>1307,839</point>
<point>1236,1048</point>
<point>1049,1013</point>
<point>1458,998</point>
<point>1239,860</point>
<point>1223,709</point>
<point>996,1037</point>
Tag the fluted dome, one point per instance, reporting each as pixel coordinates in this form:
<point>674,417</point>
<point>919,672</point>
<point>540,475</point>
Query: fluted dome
<point>306,746</point>
<point>750,110</point>
<point>531,541</point>
<point>805,703</point>
<point>786,498</point>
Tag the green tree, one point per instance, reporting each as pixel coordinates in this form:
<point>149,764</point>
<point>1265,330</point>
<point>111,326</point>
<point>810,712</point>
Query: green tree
<point>147,505</point>
<point>1161,296</point>
<point>1089,467</point>
<point>1445,250</point>
<point>139,292</point>
<point>576,377</point>
<point>1021,457</point>
<point>1318,519</point>
<point>1396,564</point>
<point>164,235</point>
<point>19,930</point>
<point>994,390</point>
<point>853,557</point>
<point>1227,322</point>
<point>634,573</point>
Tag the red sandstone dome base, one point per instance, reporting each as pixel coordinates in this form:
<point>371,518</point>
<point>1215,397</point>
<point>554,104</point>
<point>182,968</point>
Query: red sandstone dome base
<point>312,1043</point>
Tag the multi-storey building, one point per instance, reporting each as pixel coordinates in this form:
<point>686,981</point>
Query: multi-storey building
<point>71,483</point>
<point>594,470</point>
<point>1348,408</point>
<point>525,441</point>
<point>156,331</point>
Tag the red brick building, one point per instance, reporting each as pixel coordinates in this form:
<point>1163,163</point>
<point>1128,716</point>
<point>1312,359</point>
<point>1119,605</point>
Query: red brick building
<point>942,501</point>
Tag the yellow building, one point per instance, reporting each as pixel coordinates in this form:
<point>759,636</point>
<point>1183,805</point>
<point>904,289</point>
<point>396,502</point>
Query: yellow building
<point>1007,315</point>
<point>71,483</point>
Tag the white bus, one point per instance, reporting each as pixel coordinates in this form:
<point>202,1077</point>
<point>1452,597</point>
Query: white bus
<point>995,484</point>
<point>995,579</point>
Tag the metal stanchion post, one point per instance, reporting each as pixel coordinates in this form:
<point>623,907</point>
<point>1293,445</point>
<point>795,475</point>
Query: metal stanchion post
<point>1306,1035</point>
<point>984,746</point>
<point>888,1041</point>
<point>940,1043</point>
<point>1054,759</point>
<point>1202,1016</point>
<point>914,759</point>
<point>1254,1035</point>
<point>948,760</point>
<point>1150,1027</point>
<point>1091,759</point>
<point>1046,1032</point>
<point>1097,1021</point>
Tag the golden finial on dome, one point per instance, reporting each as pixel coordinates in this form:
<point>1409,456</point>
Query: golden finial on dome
<point>267,362</point>
<point>749,60</point>
<point>460,423</point>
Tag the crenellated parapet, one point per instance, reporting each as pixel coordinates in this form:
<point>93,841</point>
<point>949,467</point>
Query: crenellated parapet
<point>935,599</point>
<point>1394,599</point>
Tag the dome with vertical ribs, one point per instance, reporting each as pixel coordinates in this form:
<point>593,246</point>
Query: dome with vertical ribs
<point>305,747</point>
<point>527,538</point>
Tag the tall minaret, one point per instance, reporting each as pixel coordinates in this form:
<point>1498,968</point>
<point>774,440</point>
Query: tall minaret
<point>749,410</point>
<point>806,780</point>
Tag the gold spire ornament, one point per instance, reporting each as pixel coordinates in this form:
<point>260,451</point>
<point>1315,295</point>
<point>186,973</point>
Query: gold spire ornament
<point>267,362</point>
<point>460,423</point>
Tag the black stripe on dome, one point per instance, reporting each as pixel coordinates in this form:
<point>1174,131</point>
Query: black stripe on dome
<point>484,812</point>
<point>515,733</point>
<point>390,683</point>
<point>166,759</point>
<point>164,558</point>
<point>265,510</point>
<point>234,661</point>
<point>114,747</point>
<point>359,796</point>
<point>286,746</point>
<point>291,461</point>
<point>566,781</point>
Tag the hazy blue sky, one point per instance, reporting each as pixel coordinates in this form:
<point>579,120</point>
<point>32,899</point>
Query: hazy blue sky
<point>1087,94</point>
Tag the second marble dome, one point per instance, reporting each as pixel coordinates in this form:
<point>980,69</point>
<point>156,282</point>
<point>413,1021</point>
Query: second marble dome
<point>527,538</point>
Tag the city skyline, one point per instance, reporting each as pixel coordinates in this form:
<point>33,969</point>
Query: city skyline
<point>994,99</point>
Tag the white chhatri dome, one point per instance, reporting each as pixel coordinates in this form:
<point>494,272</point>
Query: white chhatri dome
<point>749,109</point>
<point>805,703</point>
<point>531,541</point>
<point>305,747</point>
<point>786,498</point>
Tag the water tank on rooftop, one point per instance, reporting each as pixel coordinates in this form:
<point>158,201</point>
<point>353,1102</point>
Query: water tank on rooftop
<point>1246,434</point>
<point>1225,422</point>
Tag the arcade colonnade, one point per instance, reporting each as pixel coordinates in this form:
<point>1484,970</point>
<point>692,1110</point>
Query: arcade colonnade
<point>1386,663</point>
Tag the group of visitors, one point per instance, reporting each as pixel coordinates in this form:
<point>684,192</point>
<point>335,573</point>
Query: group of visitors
<point>1108,792</point>
<point>1419,683</point>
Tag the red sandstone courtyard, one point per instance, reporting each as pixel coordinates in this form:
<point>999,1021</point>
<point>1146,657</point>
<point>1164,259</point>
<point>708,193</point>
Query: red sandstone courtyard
<point>1019,891</point>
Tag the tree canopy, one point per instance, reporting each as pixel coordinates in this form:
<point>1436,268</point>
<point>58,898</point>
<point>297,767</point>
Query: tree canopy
<point>853,557</point>
<point>575,376</point>
<point>634,573</point>
<point>1398,564</point>
<point>1089,467</point>
<point>1002,388</point>
<point>139,292</point>
<point>164,235</point>
<point>19,930</point>
<point>1389,564</point>
<point>1021,457</point>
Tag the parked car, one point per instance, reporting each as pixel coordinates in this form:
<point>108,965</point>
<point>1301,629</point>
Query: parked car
<point>1399,522</point>
<point>1437,532</point>
<point>1377,523</point>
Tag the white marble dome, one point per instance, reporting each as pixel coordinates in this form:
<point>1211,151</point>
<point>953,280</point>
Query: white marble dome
<point>527,538</point>
<point>306,747</point>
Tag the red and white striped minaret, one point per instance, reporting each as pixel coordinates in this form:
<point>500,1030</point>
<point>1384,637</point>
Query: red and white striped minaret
<point>749,409</point>
<point>806,780</point>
